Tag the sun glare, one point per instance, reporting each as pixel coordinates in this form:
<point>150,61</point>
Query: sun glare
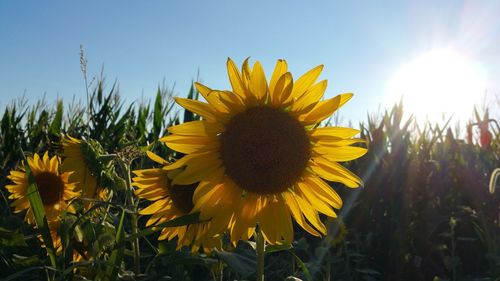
<point>439,83</point>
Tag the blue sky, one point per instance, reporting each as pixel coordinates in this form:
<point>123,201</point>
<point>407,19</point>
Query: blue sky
<point>142,43</point>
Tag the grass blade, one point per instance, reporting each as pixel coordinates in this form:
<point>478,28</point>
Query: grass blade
<point>117,255</point>
<point>36,205</point>
<point>55,126</point>
<point>302,266</point>
<point>158,114</point>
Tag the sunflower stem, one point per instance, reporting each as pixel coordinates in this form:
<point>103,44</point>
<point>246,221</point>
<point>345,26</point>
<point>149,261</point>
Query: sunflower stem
<point>133,216</point>
<point>260,250</point>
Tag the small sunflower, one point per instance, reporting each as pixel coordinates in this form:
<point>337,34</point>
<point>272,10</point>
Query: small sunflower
<point>75,160</point>
<point>170,202</point>
<point>57,241</point>
<point>260,156</point>
<point>54,187</point>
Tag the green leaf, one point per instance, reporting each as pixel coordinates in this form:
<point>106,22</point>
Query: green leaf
<point>19,274</point>
<point>158,114</point>
<point>302,266</point>
<point>367,271</point>
<point>55,126</point>
<point>242,264</point>
<point>117,255</point>
<point>188,115</point>
<point>10,238</point>
<point>277,248</point>
<point>38,210</point>
<point>27,261</point>
<point>183,258</point>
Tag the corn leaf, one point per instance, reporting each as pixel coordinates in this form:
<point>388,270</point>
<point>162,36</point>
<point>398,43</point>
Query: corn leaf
<point>55,126</point>
<point>117,255</point>
<point>36,205</point>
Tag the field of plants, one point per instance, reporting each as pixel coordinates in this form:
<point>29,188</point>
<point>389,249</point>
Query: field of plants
<point>425,211</point>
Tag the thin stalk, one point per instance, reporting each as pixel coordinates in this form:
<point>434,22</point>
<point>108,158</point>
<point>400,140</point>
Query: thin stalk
<point>105,217</point>
<point>83,68</point>
<point>221,265</point>
<point>453,249</point>
<point>217,273</point>
<point>133,216</point>
<point>328,268</point>
<point>221,271</point>
<point>260,250</point>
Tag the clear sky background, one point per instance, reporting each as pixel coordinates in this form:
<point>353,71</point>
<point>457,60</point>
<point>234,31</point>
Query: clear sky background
<point>142,43</point>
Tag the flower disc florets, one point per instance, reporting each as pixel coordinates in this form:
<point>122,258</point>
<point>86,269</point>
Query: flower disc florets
<point>264,150</point>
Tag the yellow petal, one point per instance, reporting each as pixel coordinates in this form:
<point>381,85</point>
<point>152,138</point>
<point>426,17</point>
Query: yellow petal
<point>310,98</point>
<point>235,79</point>
<point>213,97</point>
<point>276,221</point>
<point>245,218</point>
<point>305,81</point>
<point>54,164</point>
<point>282,89</point>
<point>38,162</point>
<point>17,174</point>
<point>20,203</point>
<point>226,199</point>
<point>208,184</point>
<point>267,221</point>
<point>204,90</point>
<point>190,144</point>
<point>324,109</point>
<point>151,221</point>
<point>46,159</point>
<point>198,170</point>
<point>220,224</point>
<point>341,153</point>
<point>154,208</point>
<point>245,73</point>
<point>310,214</point>
<point>334,172</point>
<point>285,221</point>
<point>333,132</point>
<point>258,82</point>
<point>198,107</point>
<point>323,190</point>
<point>336,142</point>
<point>296,212</point>
<point>153,194</point>
<point>280,69</point>
<point>197,128</point>
<point>156,158</point>
<point>187,159</point>
<point>188,139</point>
<point>306,192</point>
<point>230,103</point>
<point>206,200</point>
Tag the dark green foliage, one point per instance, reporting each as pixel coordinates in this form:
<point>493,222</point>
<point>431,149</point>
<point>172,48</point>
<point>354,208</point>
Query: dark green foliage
<point>424,213</point>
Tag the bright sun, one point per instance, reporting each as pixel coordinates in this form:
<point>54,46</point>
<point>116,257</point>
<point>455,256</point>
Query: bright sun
<point>437,82</point>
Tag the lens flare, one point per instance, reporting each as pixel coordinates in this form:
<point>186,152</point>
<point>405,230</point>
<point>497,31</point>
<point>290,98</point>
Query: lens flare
<point>442,81</point>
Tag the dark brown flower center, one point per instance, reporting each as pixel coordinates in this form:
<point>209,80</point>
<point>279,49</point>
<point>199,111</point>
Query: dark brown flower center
<point>182,196</point>
<point>264,150</point>
<point>50,186</point>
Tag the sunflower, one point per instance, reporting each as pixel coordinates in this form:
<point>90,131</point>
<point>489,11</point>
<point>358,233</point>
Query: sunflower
<point>54,188</point>
<point>57,241</point>
<point>260,156</point>
<point>75,160</point>
<point>169,202</point>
